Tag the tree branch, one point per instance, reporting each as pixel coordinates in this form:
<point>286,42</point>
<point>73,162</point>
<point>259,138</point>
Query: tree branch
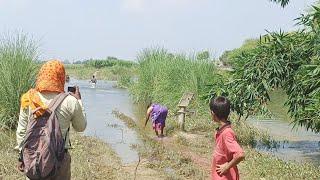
<point>283,3</point>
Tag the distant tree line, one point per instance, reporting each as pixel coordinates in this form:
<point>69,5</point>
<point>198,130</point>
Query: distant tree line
<point>109,62</point>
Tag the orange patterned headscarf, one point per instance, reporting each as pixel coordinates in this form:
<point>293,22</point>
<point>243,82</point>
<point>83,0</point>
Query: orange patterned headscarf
<point>51,78</point>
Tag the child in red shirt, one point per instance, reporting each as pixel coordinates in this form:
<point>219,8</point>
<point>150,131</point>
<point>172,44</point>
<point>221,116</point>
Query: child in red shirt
<point>227,152</point>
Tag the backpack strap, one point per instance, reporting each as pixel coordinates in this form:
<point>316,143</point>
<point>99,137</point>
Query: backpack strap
<point>57,101</point>
<point>53,106</point>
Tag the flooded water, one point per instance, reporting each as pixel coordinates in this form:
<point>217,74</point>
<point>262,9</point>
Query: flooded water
<point>290,144</point>
<point>99,103</point>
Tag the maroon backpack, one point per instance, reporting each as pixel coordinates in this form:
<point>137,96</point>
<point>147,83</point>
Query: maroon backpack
<point>43,146</point>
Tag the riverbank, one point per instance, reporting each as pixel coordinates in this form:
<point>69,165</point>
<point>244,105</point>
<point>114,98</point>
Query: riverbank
<point>188,156</point>
<point>172,75</point>
<point>179,156</point>
<point>118,73</point>
<point>91,158</point>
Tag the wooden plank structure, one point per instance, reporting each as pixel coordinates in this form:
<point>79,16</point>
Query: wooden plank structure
<point>183,104</point>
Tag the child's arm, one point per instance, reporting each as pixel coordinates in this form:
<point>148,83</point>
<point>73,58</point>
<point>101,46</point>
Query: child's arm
<point>221,169</point>
<point>148,115</point>
<point>234,149</point>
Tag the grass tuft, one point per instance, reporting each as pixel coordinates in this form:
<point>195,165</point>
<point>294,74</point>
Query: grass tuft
<point>18,54</point>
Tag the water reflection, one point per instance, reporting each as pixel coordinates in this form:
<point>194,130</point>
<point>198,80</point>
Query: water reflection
<point>290,144</point>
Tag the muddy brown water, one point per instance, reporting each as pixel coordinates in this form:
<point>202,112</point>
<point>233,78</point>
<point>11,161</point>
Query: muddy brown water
<point>291,145</point>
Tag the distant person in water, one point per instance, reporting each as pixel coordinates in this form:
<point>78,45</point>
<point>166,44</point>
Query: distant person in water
<point>93,81</point>
<point>158,115</point>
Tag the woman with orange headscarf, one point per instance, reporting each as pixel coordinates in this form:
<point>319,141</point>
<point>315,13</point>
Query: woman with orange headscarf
<point>50,82</point>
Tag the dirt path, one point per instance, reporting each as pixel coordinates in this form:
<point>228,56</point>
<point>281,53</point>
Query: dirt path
<point>200,161</point>
<point>141,171</point>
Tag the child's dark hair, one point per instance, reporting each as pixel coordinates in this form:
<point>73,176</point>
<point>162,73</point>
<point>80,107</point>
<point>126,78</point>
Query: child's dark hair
<point>220,106</point>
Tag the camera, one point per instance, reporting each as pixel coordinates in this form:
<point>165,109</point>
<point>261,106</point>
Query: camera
<point>72,89</point>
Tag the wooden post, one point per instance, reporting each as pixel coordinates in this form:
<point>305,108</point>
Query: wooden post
<point>184,102</point>
<point>181,118</point>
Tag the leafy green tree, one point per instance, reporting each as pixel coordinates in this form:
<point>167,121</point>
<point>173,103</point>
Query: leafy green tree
<point>290,61</point>
<point>283,3</point>
<point>229,58</point>
<point>204,55</point>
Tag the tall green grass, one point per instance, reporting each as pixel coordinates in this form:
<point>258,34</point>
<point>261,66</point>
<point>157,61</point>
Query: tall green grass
<point>164,77</point>
<point>17,71</point>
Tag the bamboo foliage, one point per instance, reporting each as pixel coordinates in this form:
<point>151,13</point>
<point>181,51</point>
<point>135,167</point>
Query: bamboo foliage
<point>281,60</point>
<point>283,3</point>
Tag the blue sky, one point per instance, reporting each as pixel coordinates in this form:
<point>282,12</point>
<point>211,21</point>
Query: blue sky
<point>79,29</point>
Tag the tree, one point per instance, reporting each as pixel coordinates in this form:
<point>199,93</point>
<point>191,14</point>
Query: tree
<point>228,58</point>
<point>290,61</point>
<point>204,55</point>
<point>283,3</point>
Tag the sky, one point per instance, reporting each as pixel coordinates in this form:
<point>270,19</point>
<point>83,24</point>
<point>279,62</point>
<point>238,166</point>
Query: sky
<point>82,29</point>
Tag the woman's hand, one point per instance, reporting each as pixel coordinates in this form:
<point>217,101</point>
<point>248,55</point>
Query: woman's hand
<point>223,168</point>
<point>77,93</point>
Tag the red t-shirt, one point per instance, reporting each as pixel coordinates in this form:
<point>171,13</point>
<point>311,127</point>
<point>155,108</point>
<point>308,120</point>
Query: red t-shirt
<point>226,148</point>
